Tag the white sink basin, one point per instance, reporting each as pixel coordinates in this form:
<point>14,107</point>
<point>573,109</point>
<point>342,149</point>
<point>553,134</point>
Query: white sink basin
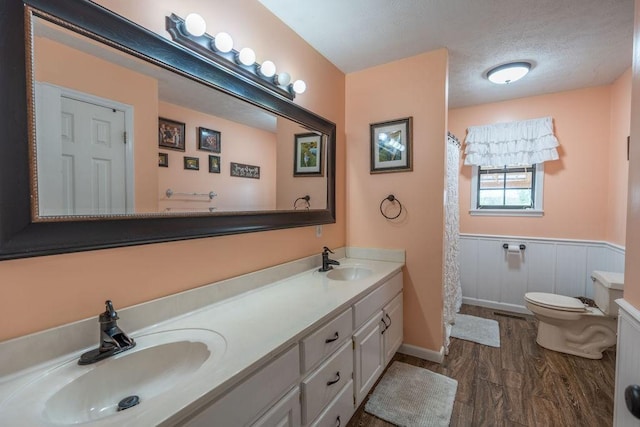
<point>156,367</point>
<point>349,273</point>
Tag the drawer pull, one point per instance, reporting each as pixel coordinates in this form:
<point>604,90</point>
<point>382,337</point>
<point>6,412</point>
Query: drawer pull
<point>338,421</point>
<point>384,327</point>
<point>335,338</point>
<point>332,382</point>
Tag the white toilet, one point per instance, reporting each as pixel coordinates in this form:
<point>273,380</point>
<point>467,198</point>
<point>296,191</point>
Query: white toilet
<point>567,325</point>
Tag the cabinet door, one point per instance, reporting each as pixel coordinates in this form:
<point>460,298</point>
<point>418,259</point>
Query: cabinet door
<point>392,313</point>
<point>368,356</point>
<point>286,413</point>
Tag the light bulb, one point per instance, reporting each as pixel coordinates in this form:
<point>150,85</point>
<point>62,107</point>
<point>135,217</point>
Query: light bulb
<point>283,79</point>
<point>247,56</point>
<point>299,86</point>
<point>195,24</point>
<point>223,42</point>
<point>268,68</point>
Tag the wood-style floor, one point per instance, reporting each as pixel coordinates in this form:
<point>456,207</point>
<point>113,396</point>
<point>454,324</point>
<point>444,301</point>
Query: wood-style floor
<point>520,383</point>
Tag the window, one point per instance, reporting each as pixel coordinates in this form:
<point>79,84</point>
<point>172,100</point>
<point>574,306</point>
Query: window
<point>510,190</point>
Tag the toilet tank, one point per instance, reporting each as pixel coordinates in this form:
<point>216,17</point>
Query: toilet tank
<point>607,288</point>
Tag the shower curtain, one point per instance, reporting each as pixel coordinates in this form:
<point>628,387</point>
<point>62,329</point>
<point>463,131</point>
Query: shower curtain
<point>452,288</point>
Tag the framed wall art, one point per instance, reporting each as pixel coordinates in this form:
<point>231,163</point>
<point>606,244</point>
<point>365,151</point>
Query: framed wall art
<point>163,160</point>
<point>391,149</point>
<point>192,163</point>
<point>214,164</point>
<point>170,134</point>
<point>307,155</point>
<point>209,140</point>
<point>244,171</point>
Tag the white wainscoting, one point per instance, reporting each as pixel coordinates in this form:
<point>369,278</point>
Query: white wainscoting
<point>492,277</point>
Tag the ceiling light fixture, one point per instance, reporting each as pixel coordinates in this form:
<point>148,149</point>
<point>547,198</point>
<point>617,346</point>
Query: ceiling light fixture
<point>508,73</point>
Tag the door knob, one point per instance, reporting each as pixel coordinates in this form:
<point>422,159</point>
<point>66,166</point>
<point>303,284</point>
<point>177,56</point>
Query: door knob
<point>632,399</point>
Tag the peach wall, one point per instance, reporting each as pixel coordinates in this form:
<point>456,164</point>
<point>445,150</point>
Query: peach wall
<point>632,264</point>
<point>291,187</point>
<point>239,144</point>
<point>575,187</point>
<point>63,66</point>
<point>415,87</point>
<point>38,293</point>
<point>618,164</point>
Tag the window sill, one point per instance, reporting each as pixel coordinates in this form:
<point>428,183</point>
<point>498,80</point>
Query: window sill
<point>506,212</point>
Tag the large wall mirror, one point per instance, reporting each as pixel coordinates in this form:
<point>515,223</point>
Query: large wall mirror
<point>117,136</point>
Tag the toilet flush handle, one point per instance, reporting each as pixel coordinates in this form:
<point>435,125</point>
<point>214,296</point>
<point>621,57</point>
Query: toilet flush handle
<point>632,399</point>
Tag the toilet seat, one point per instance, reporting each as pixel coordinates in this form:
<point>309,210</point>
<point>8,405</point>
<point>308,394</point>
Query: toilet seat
<point>555,302</point>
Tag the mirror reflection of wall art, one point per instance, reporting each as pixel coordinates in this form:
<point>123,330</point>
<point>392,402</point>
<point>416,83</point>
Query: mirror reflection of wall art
<point>307,157</point>
<point>163,160</point>
<point>209,140</point>
<point>214,164</point>
<point>170,134</point>
<point>244,171</point>
<point>391,146</point>
<point>192,163</point>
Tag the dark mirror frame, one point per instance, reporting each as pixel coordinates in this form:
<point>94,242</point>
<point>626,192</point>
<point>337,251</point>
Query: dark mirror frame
<point>20,237</point>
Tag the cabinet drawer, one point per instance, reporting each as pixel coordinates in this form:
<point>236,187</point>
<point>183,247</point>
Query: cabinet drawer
<point>339,411</point>
<point>325,382</point>
<point>326,340</point>
<point>246,401</point>
<point>364,309</point>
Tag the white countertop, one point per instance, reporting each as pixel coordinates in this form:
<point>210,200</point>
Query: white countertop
<point>256,326</point>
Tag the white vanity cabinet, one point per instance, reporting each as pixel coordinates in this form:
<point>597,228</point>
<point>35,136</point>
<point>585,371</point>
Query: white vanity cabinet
<point>320,381</point>
<point>378,339</point>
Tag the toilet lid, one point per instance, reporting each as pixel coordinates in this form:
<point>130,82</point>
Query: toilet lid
<point>559,302</point>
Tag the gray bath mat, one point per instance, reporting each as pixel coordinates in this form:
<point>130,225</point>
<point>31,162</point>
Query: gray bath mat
<point>411,396</point>
<point>476,329</point>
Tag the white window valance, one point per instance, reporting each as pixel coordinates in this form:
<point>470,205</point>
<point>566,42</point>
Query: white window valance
<point>524,142</point>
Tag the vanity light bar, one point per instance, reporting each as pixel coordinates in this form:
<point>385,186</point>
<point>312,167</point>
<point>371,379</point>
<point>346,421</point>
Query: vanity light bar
<point>219,50</point>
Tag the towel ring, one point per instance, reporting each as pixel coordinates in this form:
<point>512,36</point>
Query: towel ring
<point>391,198</point>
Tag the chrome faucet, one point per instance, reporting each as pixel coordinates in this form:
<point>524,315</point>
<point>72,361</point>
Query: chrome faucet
<point>112,339</point>
<point>327,263</point>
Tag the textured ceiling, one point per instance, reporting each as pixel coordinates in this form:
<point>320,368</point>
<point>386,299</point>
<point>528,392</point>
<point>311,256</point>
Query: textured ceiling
<point>571,43</point>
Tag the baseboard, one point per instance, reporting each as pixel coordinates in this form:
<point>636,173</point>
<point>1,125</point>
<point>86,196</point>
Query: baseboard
<point>496,305</point>
<point>422,353</point>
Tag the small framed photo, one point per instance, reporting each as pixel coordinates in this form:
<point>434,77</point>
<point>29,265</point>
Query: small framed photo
<point>209,140</point>
<point>214,164</point>
<point>170,134</point>
<point>391,146</point>
<point>192,163</point>
<point>163,160</point>
<point>307,157</point>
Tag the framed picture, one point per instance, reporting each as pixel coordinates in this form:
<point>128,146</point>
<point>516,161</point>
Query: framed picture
<point>214,164</point>
<point>208,140</point>
<point>170,134</point>
<point>307,155</point>
<point>163,160</point>
<point>192,163</point>
<point>244,171</point>
<point>391,146</point>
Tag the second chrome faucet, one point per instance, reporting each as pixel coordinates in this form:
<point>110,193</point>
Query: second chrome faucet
<point>327,263</point>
